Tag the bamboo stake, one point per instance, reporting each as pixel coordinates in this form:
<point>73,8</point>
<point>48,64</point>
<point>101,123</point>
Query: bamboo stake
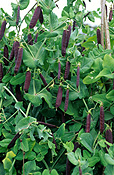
<point>102,21</point>
<point>107,34</point>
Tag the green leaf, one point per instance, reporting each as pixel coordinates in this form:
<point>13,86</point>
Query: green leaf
<point>7,163</point>
<point>10,155</point>
<point>72,158</point>
<point>47,6</point>
<point>28,60</point>
<point>34,99</point>
<point>101,97</point>
<point>47,97</point>
<point>91,78</point>
<point>39,157</point>
<point>105,73</point>
<point>29,166</point>
<point>88,44</point>
<point>108,159</point>
<point>24,123</point>
<point>110,95</point>
<point>93,160</point>
<point>46,172</point>
<point>5,142</point>
<point>54,172</point>
<point>24,145</point>
<point>109,170</point>
<point>87,141</point>
<point>60,132</point>
<point>69,146</point>
<point>85,64</point>
<point>102,157</point>
<point>18,79</point>
<point>2,171</point>
<point>69,110</point>
<point>108,62</point>
<point>23,4</point>
<point>6,78</point>
<point>53,21</point>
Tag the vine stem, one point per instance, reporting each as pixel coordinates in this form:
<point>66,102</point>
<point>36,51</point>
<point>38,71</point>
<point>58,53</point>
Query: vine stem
<point>14,99</point>
<point>29,49</point>
<point>58,159</point>
<point>34,82</point>
<point>85,104</point>
<point>46,165</point>
<point>47,86</point>
<point>10,117</point>
<point>28,108</point>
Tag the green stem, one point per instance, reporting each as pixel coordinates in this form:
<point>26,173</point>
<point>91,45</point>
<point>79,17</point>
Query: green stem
<point>14,99</point>
<point>10,117</point>
<point>58,158</point>
<point>34,82</point>
<point>96,139</point>
<point>29,105</point>
<point>29,49</point>
<point>71,86</point>
<point>85,104</point>
<point>10,93</point>
<point>40,48</point>
<point>46,165</point>
<point>46,86</point>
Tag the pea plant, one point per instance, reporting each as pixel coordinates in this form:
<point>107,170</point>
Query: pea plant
<point>56,89</point>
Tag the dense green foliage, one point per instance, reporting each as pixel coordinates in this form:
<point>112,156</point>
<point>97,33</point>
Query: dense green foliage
<point>39,135</point>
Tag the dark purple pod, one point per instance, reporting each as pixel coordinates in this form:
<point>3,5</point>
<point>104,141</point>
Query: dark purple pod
<point>88,122</point>
<point>67,70</point>
<point>36,38</point>
<point>101,119</point>
<point>66,100</point>
<point>6,55</point>
<point>98,36</point>
<point>1,72</point>
<point>86,14</point>
<point>44,81</point>
<point>59,70</point>
<point>30,39</point>
<point>84,4</point>
<point>27,81</point>
<point>109,136</point>
<point>16,48</point>
<point>78,76</point>
<point>54,141</point>
<point>18,93</point>
<point>35,17</point>
<point>12,143</point>
<point>59,97</point>
<point>12,54</point>
<point>68,35</point>
<point>19,60</point>
<point>80,171</point>
<point>64,41</point>
<point>3,27</point>
<point>18,15</point>
<point>74,24</point>
<point>110,15</point>
<point>41,19</point>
